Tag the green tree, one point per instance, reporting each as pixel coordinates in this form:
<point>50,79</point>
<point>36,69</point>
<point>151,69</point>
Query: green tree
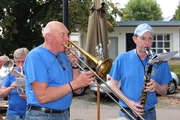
<point>141,10</point>
<point>22,20</point>
<point>177,13</point>
<point>18,27</point>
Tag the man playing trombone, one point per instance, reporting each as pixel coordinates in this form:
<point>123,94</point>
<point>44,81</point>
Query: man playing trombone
<point>130,70</point>
<point>52,76</point>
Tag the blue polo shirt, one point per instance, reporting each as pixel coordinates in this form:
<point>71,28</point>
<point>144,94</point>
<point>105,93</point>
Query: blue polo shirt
<point>17,105</point>
<point>128,69</point>
<point>41,65</point>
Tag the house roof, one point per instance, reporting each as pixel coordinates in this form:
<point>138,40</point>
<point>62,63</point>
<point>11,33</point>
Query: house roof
<point>152,23</point>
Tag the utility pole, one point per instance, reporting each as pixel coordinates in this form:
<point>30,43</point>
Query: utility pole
<point>65,13</point>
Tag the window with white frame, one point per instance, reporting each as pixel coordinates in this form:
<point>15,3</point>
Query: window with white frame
<point>161,43</point>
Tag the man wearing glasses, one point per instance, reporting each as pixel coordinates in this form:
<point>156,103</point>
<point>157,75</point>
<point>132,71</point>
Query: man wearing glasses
<point>130,69</point>
<point>16,102</point>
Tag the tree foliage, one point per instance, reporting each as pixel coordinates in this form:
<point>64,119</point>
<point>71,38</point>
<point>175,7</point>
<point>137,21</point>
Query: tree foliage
<point>22,20</point>
<point>141,10</point>
<point>177,13</point>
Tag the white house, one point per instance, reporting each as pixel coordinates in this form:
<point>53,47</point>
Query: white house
<point>167,36</point>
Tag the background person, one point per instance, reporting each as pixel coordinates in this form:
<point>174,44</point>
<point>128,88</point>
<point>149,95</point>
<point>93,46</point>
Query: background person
<point>3,60</point>
<point>129,68</point>
<point>16,102</point>
<point>52,77</point>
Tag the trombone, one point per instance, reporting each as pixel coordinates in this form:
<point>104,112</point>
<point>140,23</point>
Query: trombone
<point>102,69</point>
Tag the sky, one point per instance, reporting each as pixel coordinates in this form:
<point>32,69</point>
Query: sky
<point>168,6</point>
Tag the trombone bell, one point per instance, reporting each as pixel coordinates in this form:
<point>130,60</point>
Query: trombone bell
<point>102,68</point>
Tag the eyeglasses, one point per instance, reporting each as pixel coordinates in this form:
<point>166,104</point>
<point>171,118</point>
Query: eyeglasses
<point>60,62</point>
<point>149,39</point>
<point>18,61</point>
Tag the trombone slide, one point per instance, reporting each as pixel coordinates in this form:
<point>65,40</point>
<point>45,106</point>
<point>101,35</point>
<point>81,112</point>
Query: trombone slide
<point>99,78</point>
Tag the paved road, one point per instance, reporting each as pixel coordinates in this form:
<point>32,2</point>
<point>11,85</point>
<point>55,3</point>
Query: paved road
<point>85,108</point>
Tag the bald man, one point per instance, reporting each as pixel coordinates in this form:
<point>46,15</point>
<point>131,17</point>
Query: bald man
<point>52,77</point>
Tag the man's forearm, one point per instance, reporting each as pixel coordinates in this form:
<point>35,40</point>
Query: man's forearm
<point>161,89</point>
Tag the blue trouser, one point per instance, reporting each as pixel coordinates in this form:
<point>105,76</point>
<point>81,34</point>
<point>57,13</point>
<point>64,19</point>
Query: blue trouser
<point>149,115</point>
<point>15,117</point>
<point>40,115</point>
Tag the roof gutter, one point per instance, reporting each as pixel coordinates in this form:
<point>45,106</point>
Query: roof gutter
<point>151,23</point>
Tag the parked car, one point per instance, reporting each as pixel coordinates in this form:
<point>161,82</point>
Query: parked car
<point>93,87</point>
<point>172,86</point>
<point>81,92</point>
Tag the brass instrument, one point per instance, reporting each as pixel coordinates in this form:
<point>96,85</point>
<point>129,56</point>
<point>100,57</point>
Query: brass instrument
<point>102,69</point>
<point>147,78</point>
<point>8,68</point>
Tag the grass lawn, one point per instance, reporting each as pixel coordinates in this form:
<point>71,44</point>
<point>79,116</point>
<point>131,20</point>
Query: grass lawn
<point>176,69</point>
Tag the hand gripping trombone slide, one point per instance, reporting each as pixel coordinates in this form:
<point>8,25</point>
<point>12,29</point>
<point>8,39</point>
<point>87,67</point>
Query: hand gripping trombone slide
<point>99,75</point>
